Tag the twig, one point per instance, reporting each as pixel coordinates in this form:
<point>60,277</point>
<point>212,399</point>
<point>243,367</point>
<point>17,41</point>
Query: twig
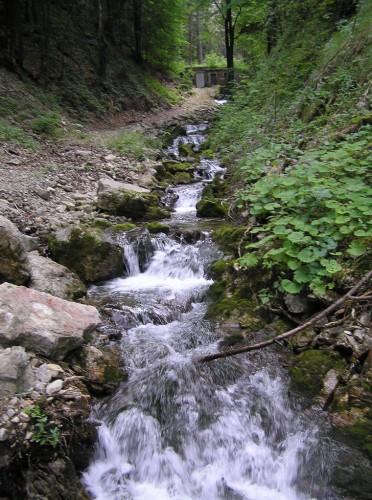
<point>295,331</point>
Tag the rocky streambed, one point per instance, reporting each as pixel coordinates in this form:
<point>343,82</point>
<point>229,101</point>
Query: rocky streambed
<point>63,231</point>
<point>61,211</point>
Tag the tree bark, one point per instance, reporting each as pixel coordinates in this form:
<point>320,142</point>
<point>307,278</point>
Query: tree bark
<point>291,333</point>
<point>229,41</point>
<point>101,40</point>
<point>137,26</point>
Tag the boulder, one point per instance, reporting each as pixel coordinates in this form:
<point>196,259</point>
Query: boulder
<point>50,277</point>
<point>129,200</point>
<point>16,374</point>
<point>102,369</point>
<point>86,253</point>
<point>46,325</point>
<point>14,264</point>
<point>295,304</point>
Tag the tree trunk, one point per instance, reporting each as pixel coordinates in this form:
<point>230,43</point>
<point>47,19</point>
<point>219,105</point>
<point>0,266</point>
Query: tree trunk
<point>272,25</point>
<point>101,40</point>
<point>199,40</point>
<point>45,42</point>
<point>229,41</point>
<point>137,25</point>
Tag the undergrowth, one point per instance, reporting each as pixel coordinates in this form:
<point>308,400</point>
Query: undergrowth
<point>298,135</point>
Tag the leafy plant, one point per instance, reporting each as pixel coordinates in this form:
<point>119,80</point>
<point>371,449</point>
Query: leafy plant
<point>313,215</point>
<point>46,434</point>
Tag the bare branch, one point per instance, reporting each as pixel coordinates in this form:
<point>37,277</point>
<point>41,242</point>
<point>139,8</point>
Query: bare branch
<point>291,333</point>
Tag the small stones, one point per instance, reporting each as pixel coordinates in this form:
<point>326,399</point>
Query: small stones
<point>4,434</point>
<point>54,387</point>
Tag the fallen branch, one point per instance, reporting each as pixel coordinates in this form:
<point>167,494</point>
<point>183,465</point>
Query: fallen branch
<point>291,333</point>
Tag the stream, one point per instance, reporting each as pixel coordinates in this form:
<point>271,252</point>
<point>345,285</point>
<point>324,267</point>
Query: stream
<point>178,429</point>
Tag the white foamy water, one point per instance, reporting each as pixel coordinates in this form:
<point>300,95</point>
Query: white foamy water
<point>178,429</point>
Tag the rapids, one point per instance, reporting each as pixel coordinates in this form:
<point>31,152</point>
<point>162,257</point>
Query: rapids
<point>178,429</point>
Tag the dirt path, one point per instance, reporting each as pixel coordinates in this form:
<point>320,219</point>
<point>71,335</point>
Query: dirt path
<point>55,185</point>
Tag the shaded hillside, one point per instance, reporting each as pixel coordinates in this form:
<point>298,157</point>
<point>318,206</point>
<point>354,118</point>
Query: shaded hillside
<point>89,57</point>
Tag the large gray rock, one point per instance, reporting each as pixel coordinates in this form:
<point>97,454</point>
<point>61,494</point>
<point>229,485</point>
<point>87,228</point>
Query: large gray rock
<point>47,325</point>
<point>128,200</point>
<point>16,375</point>
<point>14,264</point>
<point>86,253</point>
<point>50,277</point>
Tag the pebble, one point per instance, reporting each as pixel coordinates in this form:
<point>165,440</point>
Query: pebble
<point>54,387</point>
<point>4,434</point>
<point>10,412</point>
<point>23,417</point>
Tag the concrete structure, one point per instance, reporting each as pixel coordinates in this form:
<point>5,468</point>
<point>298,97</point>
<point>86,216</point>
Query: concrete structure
<point>205,77</point>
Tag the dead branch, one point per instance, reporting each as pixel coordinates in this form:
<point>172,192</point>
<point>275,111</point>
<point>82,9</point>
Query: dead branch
<point>294,331</point>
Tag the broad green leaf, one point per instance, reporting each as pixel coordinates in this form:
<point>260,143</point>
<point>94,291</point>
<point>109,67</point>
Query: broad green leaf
<point>302,274</point>
<point>306,255</point>
<point>248,260</point>
<point>331,265</point>
<point>290,286</point>
<point>296,237</point>
<point>356,249</point>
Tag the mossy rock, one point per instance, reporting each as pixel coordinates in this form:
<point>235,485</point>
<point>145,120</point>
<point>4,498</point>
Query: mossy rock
<point>229,237</point>
<point>156,213</point>
<point>84,252</point>
<point>174,167</point>
<point>182,178</point>
<point>211,208</point>
<point>309,369</point>
<point>233,339</point>
<point>360,435</point>
<point>156,227</point>
<point>186,150</point>
<point>218,268</point>
<point>128,200</point>
<point>125,226</point>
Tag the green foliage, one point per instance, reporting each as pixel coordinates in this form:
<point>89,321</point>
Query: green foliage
<point>133,144</point>
<point>313,215</point>
<point>45,433</point>
<point>47,124</point>
<point>15,135</point>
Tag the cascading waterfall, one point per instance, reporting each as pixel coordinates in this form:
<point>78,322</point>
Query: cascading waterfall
<point>178,429</point>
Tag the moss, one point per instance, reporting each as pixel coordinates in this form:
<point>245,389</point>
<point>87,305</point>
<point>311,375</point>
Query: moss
<point>156,213</point>
<point>91,258</point>
<point>102,224</point>
<point>125,226</point>
<point>182,178</point>
<point>112,374</point>
<point>156,227</point>
<point>360,434</point>
<point>211,208</point>
<point>234,338</point>
<point>309,369</point>
<point>174,167</point>
<point>186,150</point>
<point>227,307</point>
<point>218,268</point>
<point>228,237</point>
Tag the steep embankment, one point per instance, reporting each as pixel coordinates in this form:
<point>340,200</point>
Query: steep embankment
<point>297,139</point>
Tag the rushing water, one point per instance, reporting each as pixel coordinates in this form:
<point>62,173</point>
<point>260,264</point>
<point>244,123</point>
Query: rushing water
<point>176,428</point>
